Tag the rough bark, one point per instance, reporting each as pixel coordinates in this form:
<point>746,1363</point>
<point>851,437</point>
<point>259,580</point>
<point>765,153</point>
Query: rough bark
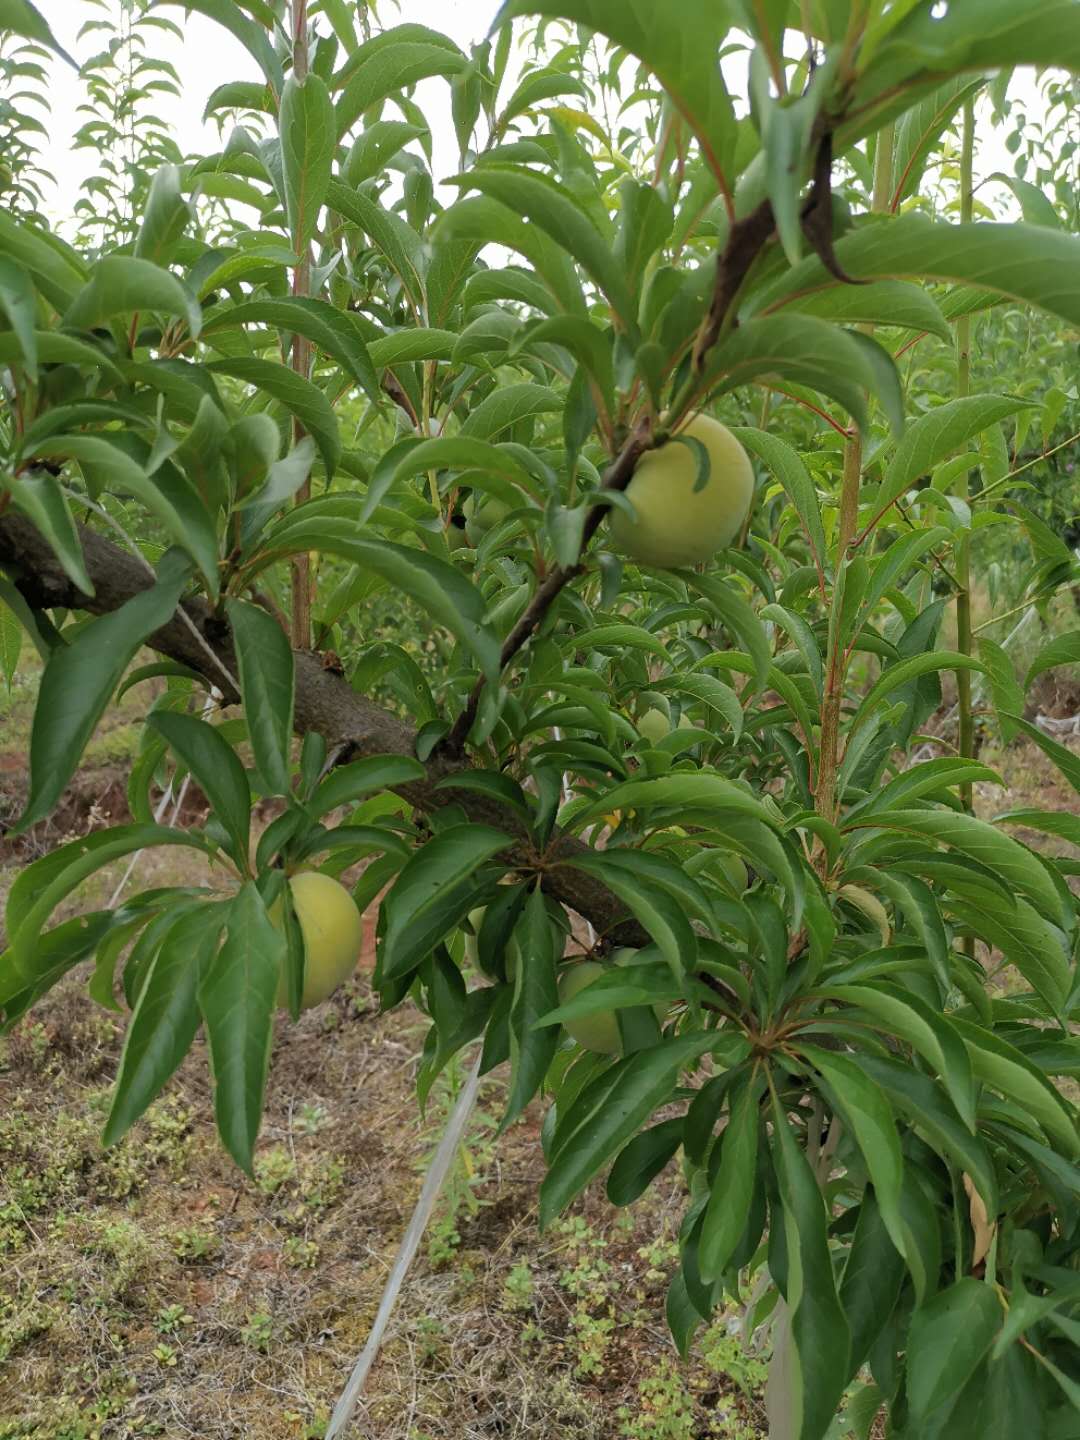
<point>352,725</point>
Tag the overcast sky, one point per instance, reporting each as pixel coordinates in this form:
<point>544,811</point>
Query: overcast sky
<point>208,56</point>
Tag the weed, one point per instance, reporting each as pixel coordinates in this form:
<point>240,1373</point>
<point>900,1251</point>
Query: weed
<point>273,1169</point>
<point>192,1244</point>
<point>666,1408</point>
<point>301,1254</point>
<point>724,1354</point>
<point>170,1319</point>
<point>519,1287</point>
<point>258,1333</point>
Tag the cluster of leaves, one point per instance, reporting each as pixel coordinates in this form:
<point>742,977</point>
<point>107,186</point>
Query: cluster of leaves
<point>859,1120</point>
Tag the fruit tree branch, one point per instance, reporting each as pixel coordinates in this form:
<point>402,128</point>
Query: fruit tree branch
<point>352,725</point>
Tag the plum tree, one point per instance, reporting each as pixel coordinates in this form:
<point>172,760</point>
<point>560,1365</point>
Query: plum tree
<point>683,517</point>
<point>332,929</point>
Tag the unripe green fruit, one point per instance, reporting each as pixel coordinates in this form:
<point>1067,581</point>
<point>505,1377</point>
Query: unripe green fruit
<point>481,514</point>
<point>677,523</point>
<point>332,931</point>
<point>654,725</point>
<point>456,538</point>
<point>598,1032</point>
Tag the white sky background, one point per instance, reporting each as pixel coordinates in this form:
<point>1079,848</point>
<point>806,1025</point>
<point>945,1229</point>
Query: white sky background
<point>209,56</point>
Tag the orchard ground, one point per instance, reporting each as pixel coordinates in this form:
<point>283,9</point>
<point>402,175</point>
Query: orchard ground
<point>151,1290</point>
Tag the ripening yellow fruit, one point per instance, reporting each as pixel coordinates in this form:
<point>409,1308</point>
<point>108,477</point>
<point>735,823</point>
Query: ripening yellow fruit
<point>598,1032</point>
<point>654,725</point>
<point>678,523</point>
<point>482,513</point>
<point>332,929</point>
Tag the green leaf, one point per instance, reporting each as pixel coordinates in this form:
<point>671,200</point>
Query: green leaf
<point>532,1049</point>
<point>609,1111</point>
<point>1015,864</point>
<point>459,452</point>
<point>948,1339</point>
<point>918,130</point>
<point>1026,940</point>
<point>237,995</point>
<point>545,203</point>
<point>818,1324</point>
<point>41,499</point>
<point>904,1015</point>
<point>871,1281</point>
<point>739,619</point>
<point>640,1161</point>
<point>653,907</point>
<point>1027,262</point>
<point>920,42</point>
<point>868,1116</point>
<point>166,494</point>
<point>39,889</point>
<point>678,792</point>
<point>308,141</point>
<point>398,241</point>
<point>363,777</point>
<point>166,1016</point>
<point>733,1188</point>
<point>333,331</point>
<point>215,765</point>
<point>79,679</point>
<point>165,218</point>
<point>416,343</point>
<point>57,270</point>
<point>433,893</point>
<point>252,36</point>
<point>265,660</point>
<point>1034,204</point>
<point>22,18</point>
<point>506,406</point>
<point>434,584</point>
<point>1064,650</point>
<point>938,434</point>
<point>927,1108</point>
<point>1065,760</point>
<point>299,396</point>
<point>787,467</point>
<point>1007,1069</point>
<point>679,45</point>
<point>881,302</point>
<point>810,352</point>
<point>902,671</point>
<point>11,640</point>
<point>19,304</point>
<point>124,284</point>
<point>386,65</point>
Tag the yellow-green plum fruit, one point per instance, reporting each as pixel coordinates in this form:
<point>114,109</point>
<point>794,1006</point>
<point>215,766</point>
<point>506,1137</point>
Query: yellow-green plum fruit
<point>654,725</point>
<point>481,514</point>
<point>456,538</point>
<point>680,521</point>
<point>598,1032</point>
<point>332,930</point>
